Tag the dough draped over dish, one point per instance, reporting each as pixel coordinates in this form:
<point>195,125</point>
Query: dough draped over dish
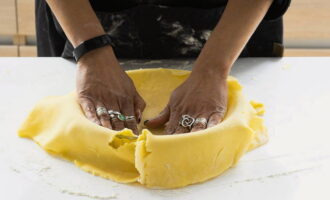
<point>59,126</point>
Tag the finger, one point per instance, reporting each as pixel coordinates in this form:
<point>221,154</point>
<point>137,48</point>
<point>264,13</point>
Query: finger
<point>173,123</point>
<point>215,119</point>
<point>180,128</point>
<point>111,105</point>
<point>199,124</point>
<point>115,122</point>
<point>139,106</point>
<point>88,107</point>
<point>138,115</point>
<point>159,120</point>
<point>104,117</point>
<point>128,110</point>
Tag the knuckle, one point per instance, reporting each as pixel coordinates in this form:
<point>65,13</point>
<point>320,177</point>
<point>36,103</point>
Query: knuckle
<point>93,117</point>
<point>166,124</point>
<point>214,122</point>
<point>196,128</point>
<point>90,115</point>
<point>84,94</point>
<point>105,117</point>
<point>131,122</point>
<point>181,129</point>
<point>199,125</point>
<point>87,105</point>
<point>85,97</point>
<point>168,131</point>
<point>119,124</point>
<point>169,128</point>
<point>115,122</point>
<point>89,109</point>
<point>220,109</point>
<point>96,121</point>
<point>90,118</point>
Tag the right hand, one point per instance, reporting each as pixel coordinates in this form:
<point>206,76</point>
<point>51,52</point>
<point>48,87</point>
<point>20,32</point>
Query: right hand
<point>101,82</point>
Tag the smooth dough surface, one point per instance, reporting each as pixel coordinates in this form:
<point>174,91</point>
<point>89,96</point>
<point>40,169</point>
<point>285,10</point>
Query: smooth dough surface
<point>59,126</point>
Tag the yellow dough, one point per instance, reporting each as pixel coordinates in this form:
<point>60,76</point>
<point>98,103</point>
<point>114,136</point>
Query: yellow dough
<point>59,126</point>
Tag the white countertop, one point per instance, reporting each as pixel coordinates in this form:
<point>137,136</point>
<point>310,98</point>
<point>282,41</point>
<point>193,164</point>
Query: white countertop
<point>294,164</point>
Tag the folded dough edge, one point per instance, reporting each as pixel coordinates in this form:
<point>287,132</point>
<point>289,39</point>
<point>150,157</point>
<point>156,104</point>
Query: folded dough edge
<point>58,125</point>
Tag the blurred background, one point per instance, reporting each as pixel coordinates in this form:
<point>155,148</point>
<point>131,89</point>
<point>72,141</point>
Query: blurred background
<point>306,28</point>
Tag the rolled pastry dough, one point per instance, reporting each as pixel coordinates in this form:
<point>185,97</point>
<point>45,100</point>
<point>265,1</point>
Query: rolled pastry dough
<point>59,126</point>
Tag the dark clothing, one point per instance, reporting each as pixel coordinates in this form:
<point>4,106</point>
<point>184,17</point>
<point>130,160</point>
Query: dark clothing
<point>154,29</point>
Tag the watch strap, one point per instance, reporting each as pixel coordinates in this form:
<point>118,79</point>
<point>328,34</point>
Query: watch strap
<point>91,44</point>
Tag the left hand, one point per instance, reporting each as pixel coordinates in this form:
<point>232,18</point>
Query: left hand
<point>202,95</point>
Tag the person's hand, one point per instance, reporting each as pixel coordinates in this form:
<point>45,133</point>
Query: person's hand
<point>202,95</point>
<point>101,82</point>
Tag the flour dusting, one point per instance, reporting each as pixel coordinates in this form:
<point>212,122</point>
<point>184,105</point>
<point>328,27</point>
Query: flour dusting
<point>277,175</point>
<point>114,196</point>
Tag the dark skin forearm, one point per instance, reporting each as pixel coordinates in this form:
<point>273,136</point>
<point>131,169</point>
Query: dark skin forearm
<point>100,82</point>
<point>237,24</point>
<point>77,19</point>
<point>204,93</point>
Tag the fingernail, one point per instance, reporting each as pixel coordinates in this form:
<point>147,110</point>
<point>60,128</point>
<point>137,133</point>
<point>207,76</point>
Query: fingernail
<point>139,116</point>
<point>145,122</point>
<point>211,125</point>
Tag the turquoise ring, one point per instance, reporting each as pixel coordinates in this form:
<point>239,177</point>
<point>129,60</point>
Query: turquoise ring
<point>121,117</point>
<point>115,114</point>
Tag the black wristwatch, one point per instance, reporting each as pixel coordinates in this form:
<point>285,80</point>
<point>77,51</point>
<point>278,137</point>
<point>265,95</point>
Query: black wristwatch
<point>91,44</point>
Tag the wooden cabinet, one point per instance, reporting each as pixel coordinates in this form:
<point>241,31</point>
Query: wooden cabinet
<point>27,51</point>
<point>25,17</point>
<point>7,18</point>
<point>17,22</point>
<point>307,24</point>
<point>8,51</point>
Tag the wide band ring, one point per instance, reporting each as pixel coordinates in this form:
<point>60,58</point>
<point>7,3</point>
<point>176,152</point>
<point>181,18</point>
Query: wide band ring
<point>201,120</point>
<point>101,111</point>
<point>130,118</point>
<point>113,114</point>
<point>187,121</point>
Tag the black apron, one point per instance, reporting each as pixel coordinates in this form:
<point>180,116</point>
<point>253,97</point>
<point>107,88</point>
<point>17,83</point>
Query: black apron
<point>160,29</point>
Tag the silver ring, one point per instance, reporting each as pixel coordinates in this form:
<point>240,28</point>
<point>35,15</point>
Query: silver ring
<point>112,116</point>
<point>113,112</point>
<point>101,111</point>
<point>121,117</point>
<point>130,118</point>
<point>201,120</point>
<point>186,121</point>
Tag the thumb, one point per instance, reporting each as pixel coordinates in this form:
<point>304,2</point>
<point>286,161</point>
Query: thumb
<point>159,120</point>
